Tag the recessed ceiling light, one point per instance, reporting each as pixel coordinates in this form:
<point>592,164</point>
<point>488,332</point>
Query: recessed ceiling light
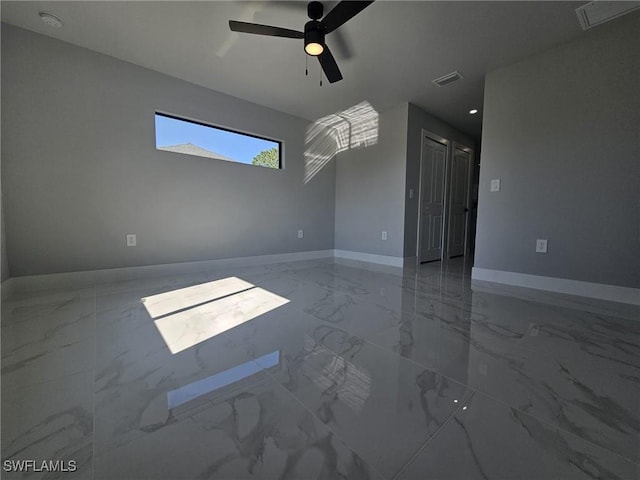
<point>50,19</point>
<point>473,111</point>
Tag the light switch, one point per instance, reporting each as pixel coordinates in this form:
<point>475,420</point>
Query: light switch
<point>411,194</point>
<point>495,185</point>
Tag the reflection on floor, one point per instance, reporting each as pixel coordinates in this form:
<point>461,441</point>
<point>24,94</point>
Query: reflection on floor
<point>320,369</point>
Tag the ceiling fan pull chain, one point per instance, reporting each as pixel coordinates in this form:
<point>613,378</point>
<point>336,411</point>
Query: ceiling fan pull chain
<point>320,75</point>
<point>306,65</point>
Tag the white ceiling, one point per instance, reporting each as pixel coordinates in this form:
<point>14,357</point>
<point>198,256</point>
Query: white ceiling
<point>388,54</point>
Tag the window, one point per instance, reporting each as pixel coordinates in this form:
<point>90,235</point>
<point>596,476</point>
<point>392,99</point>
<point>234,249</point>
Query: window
<point>192,138</point>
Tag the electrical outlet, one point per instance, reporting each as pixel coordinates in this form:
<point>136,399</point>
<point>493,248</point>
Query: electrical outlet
<point>131,240</point>
<point>541,246</point>
<point>384,235</point>
<point>300,233</point>
<point>495,185</point>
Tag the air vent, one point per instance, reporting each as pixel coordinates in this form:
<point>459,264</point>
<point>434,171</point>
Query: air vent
<point>598,12</point>
<point>447,79</point>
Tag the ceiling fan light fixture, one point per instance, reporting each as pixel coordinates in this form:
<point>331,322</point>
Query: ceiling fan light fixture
<point>313,48</point>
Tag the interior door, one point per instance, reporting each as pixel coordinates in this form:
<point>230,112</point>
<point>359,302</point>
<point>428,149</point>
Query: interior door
<point>432,199</point>
<point>459,209</point>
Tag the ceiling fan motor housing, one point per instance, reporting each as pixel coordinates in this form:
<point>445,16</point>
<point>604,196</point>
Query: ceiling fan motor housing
<point>313,33</point>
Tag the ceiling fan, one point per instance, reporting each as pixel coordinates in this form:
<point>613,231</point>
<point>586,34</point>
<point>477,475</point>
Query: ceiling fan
<point>314,32</point>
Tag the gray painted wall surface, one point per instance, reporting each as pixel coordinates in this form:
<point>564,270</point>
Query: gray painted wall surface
<point>418,120</point>
<point>561,131</point>
<point>80,169</point>
<point>4,265</point>
<point>369,190</point>
<point>4,262</point>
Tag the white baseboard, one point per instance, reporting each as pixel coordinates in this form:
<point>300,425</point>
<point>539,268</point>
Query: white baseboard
<point>600,291</point>
<point>370,257</point>
<point>87,279</point>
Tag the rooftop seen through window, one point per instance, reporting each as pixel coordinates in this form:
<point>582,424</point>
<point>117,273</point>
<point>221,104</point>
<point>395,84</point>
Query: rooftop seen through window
<point>192,138</point>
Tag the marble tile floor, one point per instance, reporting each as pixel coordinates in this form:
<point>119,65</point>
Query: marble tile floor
<point>319,370</point>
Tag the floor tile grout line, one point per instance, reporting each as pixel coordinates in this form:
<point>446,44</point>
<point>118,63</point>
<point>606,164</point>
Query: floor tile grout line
<point>385,349</point>
<point>379,347</point>
<point>308,410</point>
<point>501,402</point>
<point>429,440</point>
<point>424,315</point>
<point>527,348</point>
<point>555,427</point>
<point>332,289</point>
<point>488,395</point>
<point>507,405</point>
<point>465,399</point>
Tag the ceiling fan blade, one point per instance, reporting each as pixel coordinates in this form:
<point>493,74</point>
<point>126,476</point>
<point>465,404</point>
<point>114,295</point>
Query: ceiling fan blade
<point>329,65</point>
<point>342,13</point>
<point>258,29</point>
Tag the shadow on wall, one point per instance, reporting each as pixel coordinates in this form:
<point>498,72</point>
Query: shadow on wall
<point>354,127</point>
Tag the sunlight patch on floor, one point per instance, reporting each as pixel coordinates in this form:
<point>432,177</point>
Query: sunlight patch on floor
<point>207,310</point>
<point>182,298</point>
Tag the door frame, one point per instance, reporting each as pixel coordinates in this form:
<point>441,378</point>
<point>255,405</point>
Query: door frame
<point>467,224</point>
<point>445,224</point>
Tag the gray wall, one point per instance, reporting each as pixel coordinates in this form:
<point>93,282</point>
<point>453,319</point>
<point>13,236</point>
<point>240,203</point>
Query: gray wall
<point>4,262</point>
<point>369,190</point>
<point>80,169</point>
<point>561,129</point>
<point>418,120</point>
